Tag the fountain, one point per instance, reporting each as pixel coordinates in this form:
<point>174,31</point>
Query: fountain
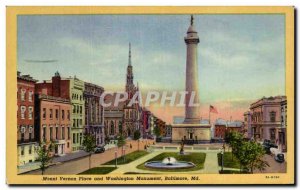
<point>169,163</point>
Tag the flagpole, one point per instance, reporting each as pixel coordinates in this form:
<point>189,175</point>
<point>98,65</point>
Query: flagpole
<point>209,115</point>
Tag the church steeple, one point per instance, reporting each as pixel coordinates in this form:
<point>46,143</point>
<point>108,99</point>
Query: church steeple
<point>129,77</point>
<point>129,56</point>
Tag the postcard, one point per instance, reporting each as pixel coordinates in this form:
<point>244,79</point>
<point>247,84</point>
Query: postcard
<point>150,95</point>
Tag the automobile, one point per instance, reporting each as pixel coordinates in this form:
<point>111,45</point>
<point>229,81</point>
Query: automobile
<point>279,157</point>
<point>99,149</point>
<point>267,145</point>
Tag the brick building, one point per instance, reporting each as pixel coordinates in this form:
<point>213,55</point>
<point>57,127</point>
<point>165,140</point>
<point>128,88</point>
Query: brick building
<point>26,136</point>
<point>94,112</point>
<point>146,123</point>
<point>72,89</point>
<point>53,121</point>
<point>222,127</point>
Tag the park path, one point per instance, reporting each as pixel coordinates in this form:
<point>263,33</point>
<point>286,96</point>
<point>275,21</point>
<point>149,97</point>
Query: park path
<point>211,163</point>
<point>131,167</point>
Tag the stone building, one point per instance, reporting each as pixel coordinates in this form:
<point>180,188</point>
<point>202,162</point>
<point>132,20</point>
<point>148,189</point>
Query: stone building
<point>26,137</point>
<point>72,89</point>
<point>282,131</point>
<point>132,113</point>
<point>113,118</point>
<point>248,125</point>
<point>53,121</point>
<point>266,119</point>
<point>94,112</point>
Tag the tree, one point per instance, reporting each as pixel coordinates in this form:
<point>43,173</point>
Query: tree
<point>234,139</point>
<point>157,131</point>
<point>89,145</point>
<point>251,155</point>
<point>44,155</point>
<point>136,135</point>
<point>121,143</point>
<point>248,153</point>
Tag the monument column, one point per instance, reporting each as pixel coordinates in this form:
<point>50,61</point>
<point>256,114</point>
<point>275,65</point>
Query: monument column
<point>191,82</point>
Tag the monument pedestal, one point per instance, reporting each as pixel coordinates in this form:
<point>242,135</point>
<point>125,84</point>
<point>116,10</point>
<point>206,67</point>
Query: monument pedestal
<point>191,133</point>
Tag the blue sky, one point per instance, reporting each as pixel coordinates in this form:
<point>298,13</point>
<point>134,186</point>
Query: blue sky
<point>240,57</point>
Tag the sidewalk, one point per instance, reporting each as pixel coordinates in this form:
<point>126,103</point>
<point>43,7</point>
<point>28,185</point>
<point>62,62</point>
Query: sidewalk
<point>211,163</point>
<point>70,156</point>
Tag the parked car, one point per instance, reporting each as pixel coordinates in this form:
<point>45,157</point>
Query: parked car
<point>279,157</point>
<point>99,149</point>
<point>267,145</point>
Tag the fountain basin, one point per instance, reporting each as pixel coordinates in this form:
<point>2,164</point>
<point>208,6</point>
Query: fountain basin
<point>175,165</point>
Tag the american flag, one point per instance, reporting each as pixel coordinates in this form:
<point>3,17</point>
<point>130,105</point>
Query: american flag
<point>212,109</point>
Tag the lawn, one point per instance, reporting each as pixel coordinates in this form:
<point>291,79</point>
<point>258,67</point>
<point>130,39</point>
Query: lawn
<point>229,160</point>
<point>197,158</point>
<point>98,170</point>
<point>128,158</point>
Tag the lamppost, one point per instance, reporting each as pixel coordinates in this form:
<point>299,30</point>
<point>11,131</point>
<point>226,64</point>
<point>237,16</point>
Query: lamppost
<point>116,158</point>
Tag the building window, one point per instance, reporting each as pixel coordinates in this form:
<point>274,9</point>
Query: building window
<point>44,113</point>
<point>30,96</point>
<point>63,132</point>
<point>272,116</point>
<point>23,110</point>
<point>68,145</point>
<point>62,114</point>
<point>56,113</point>
<point>30,150</point>
<point>112,127</point>
<point>30,133</point>
<point>23,94</point>
<point>22,151</point>
<point>80,108</point>
<point>68,133</point>
<point>68,115</point>
<point>51,133</point>
<point>23,133</point>
<point>51,114</point>
<point>74,123</point>
<point>80,140</point>
<point>44,134</point>
<point>120,127</point>
<point>74,109</point>
<point>272,135</point>
<point>56,133</point>
<point>74,140</point>
<point>30,112</point>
